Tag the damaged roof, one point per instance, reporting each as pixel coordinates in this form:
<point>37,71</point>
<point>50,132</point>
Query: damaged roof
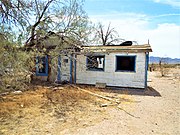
<point>115,48</point>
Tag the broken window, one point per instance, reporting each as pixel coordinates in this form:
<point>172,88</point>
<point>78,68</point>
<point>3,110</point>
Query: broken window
<point>65,60</point>
<point>42,66</point>
<point>125,63</point>
<point>95,63</point>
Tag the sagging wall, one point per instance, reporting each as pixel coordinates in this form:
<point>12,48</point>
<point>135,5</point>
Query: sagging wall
<point>109,75</point>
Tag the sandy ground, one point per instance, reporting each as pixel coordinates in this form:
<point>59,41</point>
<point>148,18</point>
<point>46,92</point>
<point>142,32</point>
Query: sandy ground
<point>141,112</point>
<point>152,113</point>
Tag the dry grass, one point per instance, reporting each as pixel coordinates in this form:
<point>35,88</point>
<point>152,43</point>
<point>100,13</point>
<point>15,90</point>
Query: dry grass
<point>66,95</point>
<point>62,100</point>
<point>33,109</point>
<point>13,103</point>
<point>66,100</point>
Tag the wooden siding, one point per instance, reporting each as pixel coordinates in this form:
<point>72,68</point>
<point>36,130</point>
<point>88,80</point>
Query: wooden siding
<point>109,76</point>
<point>65,68</point>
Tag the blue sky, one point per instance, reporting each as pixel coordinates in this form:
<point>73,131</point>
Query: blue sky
<point>140,20</point>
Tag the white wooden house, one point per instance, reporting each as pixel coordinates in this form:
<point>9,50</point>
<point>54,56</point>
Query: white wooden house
<point>120,66</point>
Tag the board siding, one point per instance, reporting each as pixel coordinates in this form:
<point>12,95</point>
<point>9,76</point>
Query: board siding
<point>65,68</point>
<point>109,76</point>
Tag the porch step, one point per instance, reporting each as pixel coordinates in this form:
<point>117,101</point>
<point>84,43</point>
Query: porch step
<point>100,85</point>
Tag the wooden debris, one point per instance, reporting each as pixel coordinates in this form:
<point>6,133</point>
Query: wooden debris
<point>4,94</point>
<point>58,88</point>
<point>117,102</point>
<point>104,105</point>
<point>17,92</point>
<point>100,96</point>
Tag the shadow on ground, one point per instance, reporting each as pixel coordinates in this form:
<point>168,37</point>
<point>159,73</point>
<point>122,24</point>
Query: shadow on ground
<point>149,91</point>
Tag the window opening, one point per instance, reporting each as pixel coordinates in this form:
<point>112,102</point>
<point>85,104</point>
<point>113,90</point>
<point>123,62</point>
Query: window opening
<point>95,63</point>
<point>125,63</point>
<point>42,66</point>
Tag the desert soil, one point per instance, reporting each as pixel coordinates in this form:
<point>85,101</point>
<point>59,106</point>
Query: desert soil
<point>154,111</point>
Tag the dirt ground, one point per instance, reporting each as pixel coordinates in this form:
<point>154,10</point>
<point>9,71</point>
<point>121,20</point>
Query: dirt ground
<point>66,110</point>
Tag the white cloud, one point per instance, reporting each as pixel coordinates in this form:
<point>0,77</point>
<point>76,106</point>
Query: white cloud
<point>164,39</point>
<point>174,3</point>
<point>165,15</point>
<point>118,19</point>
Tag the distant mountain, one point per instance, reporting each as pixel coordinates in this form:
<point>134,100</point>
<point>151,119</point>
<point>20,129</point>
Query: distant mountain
<point>153,59</point>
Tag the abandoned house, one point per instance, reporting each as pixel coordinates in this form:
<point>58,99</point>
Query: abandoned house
<point>120,66</point>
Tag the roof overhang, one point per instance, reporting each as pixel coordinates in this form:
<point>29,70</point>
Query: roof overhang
<point>109,49</point>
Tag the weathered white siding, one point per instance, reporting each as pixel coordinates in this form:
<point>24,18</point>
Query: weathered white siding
<point>109,75</point>
<point>65,68</point>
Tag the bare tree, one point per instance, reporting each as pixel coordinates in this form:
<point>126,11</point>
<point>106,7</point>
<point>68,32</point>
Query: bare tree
<point>107,37</point>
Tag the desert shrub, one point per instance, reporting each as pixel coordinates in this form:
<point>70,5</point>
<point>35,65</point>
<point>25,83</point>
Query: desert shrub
<point>163,67</point>
<point>15,66</point>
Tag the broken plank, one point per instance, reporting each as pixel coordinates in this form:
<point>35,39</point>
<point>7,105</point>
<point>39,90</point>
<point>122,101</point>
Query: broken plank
<point>100,96</point>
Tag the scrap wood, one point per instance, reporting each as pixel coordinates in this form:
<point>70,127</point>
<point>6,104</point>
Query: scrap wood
<point>109,99</point>
<point>100,96</point>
